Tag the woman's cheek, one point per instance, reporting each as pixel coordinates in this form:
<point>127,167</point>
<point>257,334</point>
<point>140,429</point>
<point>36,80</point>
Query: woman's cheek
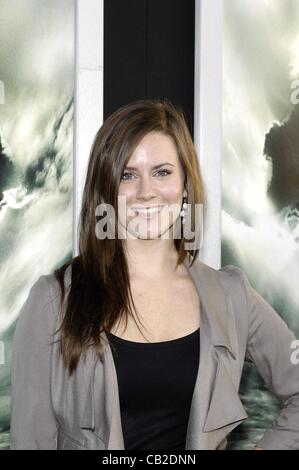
<point>172,194</point>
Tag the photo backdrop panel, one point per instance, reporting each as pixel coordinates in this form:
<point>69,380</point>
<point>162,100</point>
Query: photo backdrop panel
<point>37,74</point>
<point>260,172</point>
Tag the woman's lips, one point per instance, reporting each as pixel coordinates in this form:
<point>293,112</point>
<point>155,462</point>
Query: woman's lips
<point>148,213</point>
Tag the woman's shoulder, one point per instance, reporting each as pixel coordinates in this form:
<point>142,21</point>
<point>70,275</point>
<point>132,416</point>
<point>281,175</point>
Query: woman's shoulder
<point>229,275</point>
<point>233,274</point>
<point>42,305</point>
<point>53,284</point>
<point>49,284</point>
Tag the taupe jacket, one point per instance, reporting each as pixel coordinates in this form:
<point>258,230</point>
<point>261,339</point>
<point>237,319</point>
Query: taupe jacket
<point>52,411</point>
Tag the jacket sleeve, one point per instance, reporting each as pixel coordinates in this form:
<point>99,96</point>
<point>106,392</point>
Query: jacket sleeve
<point>33,423</point>
<point>270,346</point>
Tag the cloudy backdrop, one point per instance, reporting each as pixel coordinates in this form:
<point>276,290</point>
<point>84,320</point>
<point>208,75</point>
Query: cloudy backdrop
<point>36,147</point>
<point>260,178</point>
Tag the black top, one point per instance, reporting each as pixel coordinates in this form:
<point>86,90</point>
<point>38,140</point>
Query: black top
<point>156,383</point>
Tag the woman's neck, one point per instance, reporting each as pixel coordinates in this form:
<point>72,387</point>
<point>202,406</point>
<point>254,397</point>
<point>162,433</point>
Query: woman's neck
<point>153,259</point>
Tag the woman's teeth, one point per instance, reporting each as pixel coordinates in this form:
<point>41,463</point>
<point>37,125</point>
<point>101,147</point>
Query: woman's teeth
<point>147,213</point>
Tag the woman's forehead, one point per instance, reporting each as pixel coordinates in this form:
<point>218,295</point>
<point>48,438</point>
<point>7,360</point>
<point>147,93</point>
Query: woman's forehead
<point>154,148</point>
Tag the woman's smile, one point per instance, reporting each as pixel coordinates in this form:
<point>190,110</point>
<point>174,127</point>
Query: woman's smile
<point>147,212</point>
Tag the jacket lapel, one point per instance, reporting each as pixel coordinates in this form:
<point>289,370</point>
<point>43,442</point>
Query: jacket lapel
<point>215,407</point>
<point>101,410</point>
<point>113,435</point>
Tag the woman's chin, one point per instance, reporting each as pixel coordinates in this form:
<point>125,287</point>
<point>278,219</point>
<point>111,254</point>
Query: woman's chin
<point>150,234</point>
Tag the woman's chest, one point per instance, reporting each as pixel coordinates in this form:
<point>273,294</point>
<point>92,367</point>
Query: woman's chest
<point>166,310</point>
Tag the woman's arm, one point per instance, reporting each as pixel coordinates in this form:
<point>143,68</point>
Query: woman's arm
<point>33,424</point>
<point>269,347</point>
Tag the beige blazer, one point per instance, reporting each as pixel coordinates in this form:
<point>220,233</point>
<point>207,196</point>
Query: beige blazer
<point>52,411</point>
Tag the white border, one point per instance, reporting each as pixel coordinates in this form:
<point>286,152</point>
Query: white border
<point>208,118</point>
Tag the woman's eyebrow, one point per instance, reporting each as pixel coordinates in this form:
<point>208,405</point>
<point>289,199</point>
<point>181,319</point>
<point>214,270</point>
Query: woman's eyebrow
<point>153,168</point>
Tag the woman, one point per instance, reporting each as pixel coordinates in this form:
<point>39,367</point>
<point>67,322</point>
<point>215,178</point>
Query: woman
<point>149,341</point>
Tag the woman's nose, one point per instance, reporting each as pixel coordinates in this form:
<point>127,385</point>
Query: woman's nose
<point>146,189</point>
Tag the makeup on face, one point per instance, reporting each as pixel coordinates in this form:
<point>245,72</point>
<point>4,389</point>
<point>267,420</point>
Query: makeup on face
<point>152,182</point>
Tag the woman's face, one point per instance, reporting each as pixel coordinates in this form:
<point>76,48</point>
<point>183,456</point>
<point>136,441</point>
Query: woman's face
<point>151,188</point>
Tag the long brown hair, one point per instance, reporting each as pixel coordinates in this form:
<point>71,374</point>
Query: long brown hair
<point>100,291</point>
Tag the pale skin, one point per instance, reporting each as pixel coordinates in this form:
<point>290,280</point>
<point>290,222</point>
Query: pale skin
<point>166,299</point>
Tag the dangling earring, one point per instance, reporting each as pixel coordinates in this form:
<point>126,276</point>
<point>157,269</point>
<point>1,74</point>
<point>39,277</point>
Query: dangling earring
<point>183,211</point>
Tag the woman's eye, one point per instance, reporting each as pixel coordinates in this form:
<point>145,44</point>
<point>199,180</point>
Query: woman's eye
<point>126,176</point>
<point>164,172</point>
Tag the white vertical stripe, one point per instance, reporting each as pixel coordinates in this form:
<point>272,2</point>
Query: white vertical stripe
<point>208,118</point>
<point>88,93</point>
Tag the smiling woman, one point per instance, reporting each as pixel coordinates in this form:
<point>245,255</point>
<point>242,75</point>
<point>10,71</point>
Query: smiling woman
<point>151,341</point>
<point>153,181</point>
